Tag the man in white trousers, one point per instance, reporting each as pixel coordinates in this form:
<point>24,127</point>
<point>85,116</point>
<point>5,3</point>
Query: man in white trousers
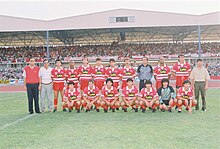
<point>46,86</point>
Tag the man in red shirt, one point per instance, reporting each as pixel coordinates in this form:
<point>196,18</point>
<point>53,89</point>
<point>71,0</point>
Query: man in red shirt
<point>162,71</point>
<point>130,96</point>
<point>148,97</point>
<point>185,97</point>
<point>32,86</point>
<point>127,72</point>
<point>58,77</point>
<point>99,74</point>
<point>181,71</point>
<point>72,97</point>
<point>91,97</point>
<point>114,73</point>
<point>72,74</point>
<point>109,96</point>
<point>85,73</point>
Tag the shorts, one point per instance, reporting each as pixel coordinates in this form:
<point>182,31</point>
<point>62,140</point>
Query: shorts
<point>58,86</point>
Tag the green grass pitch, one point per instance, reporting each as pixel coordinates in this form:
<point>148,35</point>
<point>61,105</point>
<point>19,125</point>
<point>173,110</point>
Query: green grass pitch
<point>108,130</point>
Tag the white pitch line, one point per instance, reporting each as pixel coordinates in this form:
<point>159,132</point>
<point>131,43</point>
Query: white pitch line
<point>14,97</point>
<point>17,121</point>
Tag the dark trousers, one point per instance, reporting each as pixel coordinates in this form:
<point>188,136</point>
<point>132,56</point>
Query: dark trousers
<point>33,94</point>
<point>142,84</point>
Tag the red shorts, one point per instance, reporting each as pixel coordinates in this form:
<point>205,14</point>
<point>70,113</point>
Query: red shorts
<point>83,84</point>
<point>99,83</point>
<point>184,103</point>
<point>158,84</point>
<point>58,86</point>
<point>124,84</point>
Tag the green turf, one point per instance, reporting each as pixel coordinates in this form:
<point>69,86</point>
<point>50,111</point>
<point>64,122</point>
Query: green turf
<point>109,130</point>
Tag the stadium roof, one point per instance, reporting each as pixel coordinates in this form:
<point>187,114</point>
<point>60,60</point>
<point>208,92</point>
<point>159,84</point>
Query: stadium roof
<point>118,18</point>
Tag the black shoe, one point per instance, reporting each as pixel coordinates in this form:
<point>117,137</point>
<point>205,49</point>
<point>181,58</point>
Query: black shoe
<point>122,109</point>
<point>54,110</point>
<point>38,112</point>
<point>105,111</point>
<point>143,110</point>
<point>117,108</point>
<point>204,109</point>
<point>78,111</point>
<point>97,110</point>
<point>113,110</point>
<point>31,112</point>
<point>187,109</point>
<point>197,109</point>
<point>136,110</point>
<point>64,110</point>
<point>154,110</point>
<point>179,111</point>
<point>162,110</point>
<point>125,110</point>
<point>87,110</point>
<point>170,110</point>
<point>70,110</point>
<point>150,108</point>
<point>133,109</point>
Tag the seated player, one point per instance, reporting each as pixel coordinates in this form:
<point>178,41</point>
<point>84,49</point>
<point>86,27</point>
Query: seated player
<point>91,97</point>
<point>109,96</point>
<point>185,97</point>
<point>129,96</point>
<point>148,97</point>
<point>72,98</point>
<point>167,96</point>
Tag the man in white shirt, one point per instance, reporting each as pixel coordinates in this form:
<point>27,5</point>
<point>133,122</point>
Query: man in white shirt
<point>46,87</point>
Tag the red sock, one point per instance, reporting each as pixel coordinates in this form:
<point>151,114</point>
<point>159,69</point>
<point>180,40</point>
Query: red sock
<point>55,101</point>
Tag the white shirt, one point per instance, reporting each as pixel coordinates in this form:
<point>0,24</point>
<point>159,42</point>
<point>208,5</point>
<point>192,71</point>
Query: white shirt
<point>45,75</point>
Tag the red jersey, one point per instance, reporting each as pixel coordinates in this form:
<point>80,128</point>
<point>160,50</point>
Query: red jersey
<point>58,75</point>
<point>161,72</point>
<point>72,75</point>
<point>148,95</point>
<point>127,73</point>
<point>185,94</point>
<point>109,94</point>
<point>85,73</point>
<point>91,93</point>
<point>182,72</point>
<point>72,95</point>
<point>99,73</point>
<point>114,73</point>
<point>126,92</point>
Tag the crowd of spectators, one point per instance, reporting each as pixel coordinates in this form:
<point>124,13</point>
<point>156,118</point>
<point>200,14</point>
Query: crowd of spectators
<point>21,54</point>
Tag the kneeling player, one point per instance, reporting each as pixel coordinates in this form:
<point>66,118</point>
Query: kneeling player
<point>72,98</point>
<point>185,97</point>
<point>109,96</point>
<point>129,96</point>
<point>91,96</point>
<point>167,96</point>
<point>148,97</point>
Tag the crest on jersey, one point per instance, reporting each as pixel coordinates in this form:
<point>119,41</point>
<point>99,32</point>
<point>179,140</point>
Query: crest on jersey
<point>85,71</point>
<point>73,97</point>
<point>98,72</point>
<point>149,97</point>
<point>92,94</point>
<point>59,75</point>
<point>131,95</point>
<point>72,75</point>
<point>110,95</point>
<point>127,73</point>
<point>113,74</point>
<point>162,71</point>
<point>182,69</point>
<point>185,96</point>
